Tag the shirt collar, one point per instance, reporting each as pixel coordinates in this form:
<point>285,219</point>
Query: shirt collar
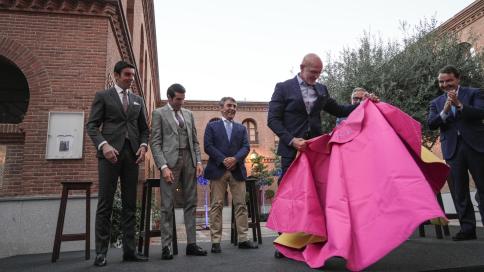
<point>302,82</point>
<point>225,119</point>
<point>119,89</point>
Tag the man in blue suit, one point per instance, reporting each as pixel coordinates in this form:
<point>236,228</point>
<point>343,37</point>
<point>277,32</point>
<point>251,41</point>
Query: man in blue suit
<point>459,114</point>
<point>227,146</point>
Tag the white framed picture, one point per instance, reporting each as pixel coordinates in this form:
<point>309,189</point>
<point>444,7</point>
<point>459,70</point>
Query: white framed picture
<point>65,133</point>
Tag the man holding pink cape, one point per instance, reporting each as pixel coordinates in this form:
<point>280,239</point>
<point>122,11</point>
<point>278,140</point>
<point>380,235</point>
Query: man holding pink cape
<point>359,192</point>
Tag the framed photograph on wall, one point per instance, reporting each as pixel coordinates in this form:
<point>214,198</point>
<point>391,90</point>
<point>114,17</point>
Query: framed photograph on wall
<point>65,133</point>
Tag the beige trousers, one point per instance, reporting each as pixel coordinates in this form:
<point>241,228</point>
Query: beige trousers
<point>218,188</point>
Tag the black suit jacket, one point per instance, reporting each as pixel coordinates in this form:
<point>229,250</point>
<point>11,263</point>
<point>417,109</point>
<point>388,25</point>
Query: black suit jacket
<point>288,117</point>
<point>108,121</point>
<point>218,147</point>
<point>469,122</point>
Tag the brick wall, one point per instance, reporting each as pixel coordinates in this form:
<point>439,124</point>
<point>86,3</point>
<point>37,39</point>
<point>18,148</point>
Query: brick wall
<point>63,58</point>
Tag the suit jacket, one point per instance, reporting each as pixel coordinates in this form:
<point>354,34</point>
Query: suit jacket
<point>218,147</point>
<point>108,121</point>
<point>164,137</point>
<point>288,117</point>
<point>469,122</point>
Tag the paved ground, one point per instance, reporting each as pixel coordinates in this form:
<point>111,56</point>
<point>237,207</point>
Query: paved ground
<point>416,254</point>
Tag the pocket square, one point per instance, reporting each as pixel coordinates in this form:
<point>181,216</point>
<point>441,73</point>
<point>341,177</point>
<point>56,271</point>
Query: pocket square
<point>136,103</point>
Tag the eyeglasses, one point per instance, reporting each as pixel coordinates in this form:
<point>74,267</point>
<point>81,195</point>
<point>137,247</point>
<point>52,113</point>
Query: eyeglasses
<point>357,99</point>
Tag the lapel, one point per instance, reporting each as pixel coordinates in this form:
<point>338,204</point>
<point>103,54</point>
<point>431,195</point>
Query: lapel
<point>320,96</point>
<point>169,116</point>
<point>188,122</point>
<point>221,127</point>
<point>115,97</point>
<point>297,90</point>
<point>131,98</point>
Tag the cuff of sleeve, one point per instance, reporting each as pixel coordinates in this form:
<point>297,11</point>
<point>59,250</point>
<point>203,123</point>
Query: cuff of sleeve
<point>145,145</point>
<point>101,145</point>
<point>444,115</point>
<point>163,166</point>
<point>290,143</point>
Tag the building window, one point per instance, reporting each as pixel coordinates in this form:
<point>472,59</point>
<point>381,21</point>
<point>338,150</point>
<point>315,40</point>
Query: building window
<point>14,93</point>
<point>251,126</point>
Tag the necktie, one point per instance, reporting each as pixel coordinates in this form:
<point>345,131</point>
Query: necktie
<point>228,128</point>
<point>125,100</point>
<point>181,123</point>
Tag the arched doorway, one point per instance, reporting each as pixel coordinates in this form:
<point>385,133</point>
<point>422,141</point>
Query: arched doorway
<point>14,93</point>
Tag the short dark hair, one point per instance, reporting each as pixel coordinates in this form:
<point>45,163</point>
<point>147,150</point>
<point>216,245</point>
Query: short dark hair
<point>449,69</point>
<point>175,88</point>
<point>120,65</point>
<point>222,101</point>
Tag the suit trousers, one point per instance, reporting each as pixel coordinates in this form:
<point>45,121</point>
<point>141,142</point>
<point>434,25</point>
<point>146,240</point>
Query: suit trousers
<point>184,174</point>
<point>218,188</point>
<point>285,163</point>
<point>126,170</point>
<point>466,160</point>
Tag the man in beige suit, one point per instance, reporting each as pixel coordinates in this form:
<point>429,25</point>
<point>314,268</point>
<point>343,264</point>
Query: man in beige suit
<point>176,153</point>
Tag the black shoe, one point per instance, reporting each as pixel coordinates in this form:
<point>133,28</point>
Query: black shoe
<point>134,258</point>
<point>166,253</point>
<point>248,245</point>
<point>278,254</point>
<point>194,250</point>
<point>100,260</point>
<point>216,248</point>
<point>463,236</point>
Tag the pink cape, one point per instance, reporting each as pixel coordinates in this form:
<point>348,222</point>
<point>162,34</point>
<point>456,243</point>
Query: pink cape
<point>364,188</point>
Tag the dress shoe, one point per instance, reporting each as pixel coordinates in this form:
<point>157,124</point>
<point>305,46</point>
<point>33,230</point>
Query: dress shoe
<point>166,253</point>
<point>278,254</point>
<point>248,245</point>
<point>463,236</point>
<point>100,260</point>
<point>134,258</point>
<point>194,250</point>
<point>216,248</point>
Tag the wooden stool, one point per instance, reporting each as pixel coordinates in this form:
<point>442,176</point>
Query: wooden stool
<point>438,228</point>
<point>253,210</point>
<point>59,237</point>
<point>145,220</point>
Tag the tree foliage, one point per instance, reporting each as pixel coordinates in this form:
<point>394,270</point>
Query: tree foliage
<point>403,73</point>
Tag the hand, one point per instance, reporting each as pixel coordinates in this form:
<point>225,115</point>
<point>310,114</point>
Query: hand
<point>299,144</point>
<point>167,175</point>
<point>199,169</point>
<point>141,154</point>
<point>230,162</point>
<point>110,153</point>
<point>373,97</point>
<point>452,96</point>
<point>447,105</point>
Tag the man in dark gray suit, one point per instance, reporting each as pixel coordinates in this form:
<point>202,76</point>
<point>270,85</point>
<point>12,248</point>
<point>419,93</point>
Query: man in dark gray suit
<point>117,125</point>
<point>176,152</point>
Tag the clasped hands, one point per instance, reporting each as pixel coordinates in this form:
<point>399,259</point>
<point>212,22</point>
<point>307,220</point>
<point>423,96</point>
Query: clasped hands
<point>452,100</point>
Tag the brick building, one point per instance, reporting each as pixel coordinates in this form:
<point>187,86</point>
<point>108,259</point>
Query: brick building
<point>54,56</point>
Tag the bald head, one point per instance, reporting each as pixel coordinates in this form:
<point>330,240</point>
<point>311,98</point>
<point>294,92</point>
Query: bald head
<point>311,68</point>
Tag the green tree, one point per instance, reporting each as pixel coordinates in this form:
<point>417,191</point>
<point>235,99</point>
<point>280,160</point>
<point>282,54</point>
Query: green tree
<point>403,73</point>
